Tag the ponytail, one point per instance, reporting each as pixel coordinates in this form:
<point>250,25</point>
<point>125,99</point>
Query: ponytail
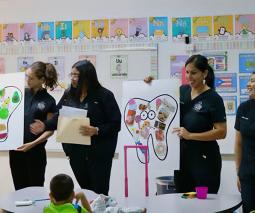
<point>210,77</point>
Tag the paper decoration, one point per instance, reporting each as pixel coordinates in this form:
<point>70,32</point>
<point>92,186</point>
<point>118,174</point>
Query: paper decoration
<point>81,30</point>
<point>63,30</point>
<point>23,63</point>
<point>27,31</point>
<point>11,110</point>
<point>10,32</point>
<point>245,26</point>
<point>230,103</point>
<point>243,80</point>
<point>119,29</point>
<point>45,31</point>
<point>217,60</point>
<point>138,29</point>
<point>177,64</point>
<point>158,28</point>
<point>246,63</point>
<point>100,30</point>
<point>59,63</point>
<point>119,66</point>
<point>181,28</point>
<point>223,27</point>
<point>202,27</point>
<point>226,82</point>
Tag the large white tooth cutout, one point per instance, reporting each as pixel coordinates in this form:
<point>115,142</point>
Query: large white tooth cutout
<point>10,98</point>
<point>148,122</point>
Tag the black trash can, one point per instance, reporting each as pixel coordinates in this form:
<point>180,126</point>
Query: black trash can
<point>165,185</point>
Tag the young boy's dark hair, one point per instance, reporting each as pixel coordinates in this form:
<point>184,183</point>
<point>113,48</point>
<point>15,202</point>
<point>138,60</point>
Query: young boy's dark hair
<point>61,187</point>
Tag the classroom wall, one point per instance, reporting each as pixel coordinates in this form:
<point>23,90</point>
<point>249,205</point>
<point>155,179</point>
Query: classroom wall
<point>32,10</point>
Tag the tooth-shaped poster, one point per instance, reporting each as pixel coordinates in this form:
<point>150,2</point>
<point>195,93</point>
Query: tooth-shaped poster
<point>149,113</point>
<point>11,110</point>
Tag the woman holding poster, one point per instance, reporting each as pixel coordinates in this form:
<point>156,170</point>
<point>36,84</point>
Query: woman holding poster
<point>245,148</point>
<point>202,122</point>
<point>28,162</point>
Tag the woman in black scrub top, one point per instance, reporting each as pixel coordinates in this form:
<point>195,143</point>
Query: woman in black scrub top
<point>202,122</point>
<point>245,148</point>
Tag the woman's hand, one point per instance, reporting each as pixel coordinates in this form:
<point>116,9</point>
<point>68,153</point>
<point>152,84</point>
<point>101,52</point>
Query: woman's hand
<point>25,147</point>
<point>148,79</point>
<point>182,133</point>
<point>37,127</point>
<point>87,130</point>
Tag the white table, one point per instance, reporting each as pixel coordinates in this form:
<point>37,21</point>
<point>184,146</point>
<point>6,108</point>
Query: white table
<point>154,204</point>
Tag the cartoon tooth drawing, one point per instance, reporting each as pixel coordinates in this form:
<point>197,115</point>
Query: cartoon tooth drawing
<point>10,98</point>
<point>149,123</point>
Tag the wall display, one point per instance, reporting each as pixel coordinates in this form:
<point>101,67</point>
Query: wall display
<point>177,66</point>
<point>2,65</point>
<point>45,31</point>
<point>11,32</point>
<point>119,30</point>
<point>217,60</point>
<point>11,110</point>
<point>246,63</point>
<point>28,32</point>
<point>223,27</point>
<point>119,66</point>
<point>202,27</point>
<point>100,30</point>
<point>230,103</point>
<point>81,30</point>
<point>59,63</point>
<point>243,80</point>
<point>245,26</point>
<point>181,28</point>
<point>138,29</point>
<point>63,30</point>
<point>23,63</point>
<point>158,28</point>
<point>226,82</point>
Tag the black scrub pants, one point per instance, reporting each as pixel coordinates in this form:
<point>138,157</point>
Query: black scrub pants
<point>248,192</point>
<point>91,173</point>
<point>200,166</point>
<point>28,168</point>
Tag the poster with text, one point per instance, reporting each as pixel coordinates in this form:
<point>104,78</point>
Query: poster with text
<point>217,60</point>
<point>63,30</point>
<point>245,26</point>
<point>150,112</point>
<point>138,29</point>
<point>243,80</point>
<point>91,58</point>
<point>100,30</point>
<point>177,65</point>
<point>28,31</point>
<point>2,65</point>
<point>119,29</point>
<point>223,27</point>
<point>81,30</point>
<point>158,28</point>
<point>45,31</point>
<point>119,66</point>
<point>23,63</point>
<point>181,28</point>
<point>59,63</point>
<point>247,62</point>
<point>11,110</point>
<point>202,27</point>
<point>230,103</point>
<point>226,82</point>
<point>11,32</point>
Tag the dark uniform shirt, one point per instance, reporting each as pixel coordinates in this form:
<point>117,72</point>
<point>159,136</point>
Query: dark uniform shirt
<point>245,123</point>
<point>36,107</point>
<point>199,115</point>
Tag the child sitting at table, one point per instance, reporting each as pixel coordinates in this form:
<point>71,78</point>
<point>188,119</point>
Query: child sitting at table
<point>62,195</point>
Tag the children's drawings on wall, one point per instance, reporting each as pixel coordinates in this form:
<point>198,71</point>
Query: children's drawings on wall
<point>119,29</point>
<point>223,27</point>
<point>2,65</point>
<point>91,58</point>
<point>158,28</point>
<point>63,30</point>
<point>149,113</point>
<point>11,110</point>
<point>202,27</point>
<point>23,63</point>
<point>181,28</point>
<point>246,62</point>
<point>81,30</point>
<point>100,30</point>
<point>245,26</point>
<point>27,31</point>
<point>138,29</point>
<point>45,31</point>
<point>119,66</point>
<point>10,32</point>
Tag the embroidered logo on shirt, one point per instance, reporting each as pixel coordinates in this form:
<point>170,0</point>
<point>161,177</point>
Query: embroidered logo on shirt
<point>41,106</point>
<point>198,106</point>
<point>245,118</point>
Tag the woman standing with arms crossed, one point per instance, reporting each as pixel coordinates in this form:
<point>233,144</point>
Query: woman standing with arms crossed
<point>245,148</point>
<point>202,121</point>
<point>28,162</point>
